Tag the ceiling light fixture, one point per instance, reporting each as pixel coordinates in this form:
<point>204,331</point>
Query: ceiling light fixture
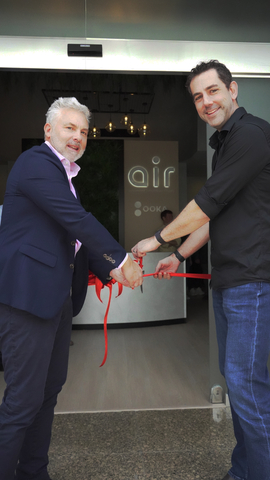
<point>125,119</point>
<point>94,132</point>
<point>110,127</point>
<point>144,129</point>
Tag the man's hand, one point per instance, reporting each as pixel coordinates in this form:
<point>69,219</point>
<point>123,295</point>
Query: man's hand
<point>166,266</point>
<point>133,273</point>
<point>118,275</point>
<point>130,275</point>
<point>145,246</point>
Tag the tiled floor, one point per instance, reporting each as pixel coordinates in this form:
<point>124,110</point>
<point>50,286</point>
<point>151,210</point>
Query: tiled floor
<point>142,445</point>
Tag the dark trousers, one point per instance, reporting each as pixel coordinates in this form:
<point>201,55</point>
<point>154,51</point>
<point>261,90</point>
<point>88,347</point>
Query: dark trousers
<point>35,358</point>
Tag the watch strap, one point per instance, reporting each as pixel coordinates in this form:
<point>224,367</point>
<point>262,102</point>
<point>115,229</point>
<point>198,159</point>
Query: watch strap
<point>179,256</point>
<point>159,238</point>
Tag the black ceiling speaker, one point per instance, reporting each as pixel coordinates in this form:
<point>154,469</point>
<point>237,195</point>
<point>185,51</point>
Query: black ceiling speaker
<point>84,50</point>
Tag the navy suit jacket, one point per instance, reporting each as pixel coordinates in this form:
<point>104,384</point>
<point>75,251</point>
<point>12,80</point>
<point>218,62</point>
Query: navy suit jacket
<point>40,223</point>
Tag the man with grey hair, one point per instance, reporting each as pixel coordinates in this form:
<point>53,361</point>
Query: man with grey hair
<point>48,243</point>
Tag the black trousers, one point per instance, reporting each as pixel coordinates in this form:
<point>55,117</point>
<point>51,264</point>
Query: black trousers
<point>35,358</point>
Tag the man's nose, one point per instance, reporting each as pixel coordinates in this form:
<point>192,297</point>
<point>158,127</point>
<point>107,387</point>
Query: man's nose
<point>78,137</point>
<point>207,100</point>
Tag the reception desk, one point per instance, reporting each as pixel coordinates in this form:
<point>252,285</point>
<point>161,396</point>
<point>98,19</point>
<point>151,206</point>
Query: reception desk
<point>161,300</point>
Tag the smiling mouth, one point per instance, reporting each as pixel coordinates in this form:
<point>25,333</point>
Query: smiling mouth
<point>76,148</point>
<point>212,112</point>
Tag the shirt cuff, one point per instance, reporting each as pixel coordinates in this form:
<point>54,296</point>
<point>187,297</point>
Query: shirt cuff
<point>123,262</point>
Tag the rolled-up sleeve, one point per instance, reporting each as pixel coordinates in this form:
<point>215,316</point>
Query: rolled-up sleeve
<point>244,154</point>
<point>207,204</point>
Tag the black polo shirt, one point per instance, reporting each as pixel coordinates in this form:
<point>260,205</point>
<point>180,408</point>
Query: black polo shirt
<point>236,198</point>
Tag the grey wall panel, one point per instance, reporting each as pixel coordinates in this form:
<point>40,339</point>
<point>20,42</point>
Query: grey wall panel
<point>53,18</point>
<point>254,95</point>
<point>240,21</point>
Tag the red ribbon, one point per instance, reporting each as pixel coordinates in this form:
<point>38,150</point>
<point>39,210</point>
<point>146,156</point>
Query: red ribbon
<point>188,275</point>
<point>93,280</point>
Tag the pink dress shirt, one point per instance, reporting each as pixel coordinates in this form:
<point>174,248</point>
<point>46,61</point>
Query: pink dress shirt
<point>72,170</point>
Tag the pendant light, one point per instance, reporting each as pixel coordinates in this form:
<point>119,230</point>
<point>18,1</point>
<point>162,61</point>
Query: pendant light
<point>131,129</point>
<point>94,132</point>
<point>144,129</point>
<point>110,127</point>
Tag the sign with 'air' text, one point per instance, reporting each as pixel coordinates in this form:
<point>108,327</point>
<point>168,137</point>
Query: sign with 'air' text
<point>151,186</point>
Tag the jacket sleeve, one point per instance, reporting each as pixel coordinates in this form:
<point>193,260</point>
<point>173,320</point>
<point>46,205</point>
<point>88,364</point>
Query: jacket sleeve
<point>43,180</point>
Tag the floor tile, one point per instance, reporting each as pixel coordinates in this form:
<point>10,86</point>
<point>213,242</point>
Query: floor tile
<point>143,445</point>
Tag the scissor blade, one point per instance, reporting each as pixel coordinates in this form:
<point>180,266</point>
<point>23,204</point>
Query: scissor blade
<point>141,287</point>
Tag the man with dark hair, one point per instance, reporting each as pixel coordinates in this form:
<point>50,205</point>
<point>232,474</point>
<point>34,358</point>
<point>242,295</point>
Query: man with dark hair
<point>223,72</point>
<point>233,210</point>
<point>166,214</point>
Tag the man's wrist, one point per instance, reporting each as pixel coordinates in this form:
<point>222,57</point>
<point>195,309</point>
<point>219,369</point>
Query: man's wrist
<point>159,238</point>
<point>179,256</point>
<point>119,266</point>
<point>123,261</point>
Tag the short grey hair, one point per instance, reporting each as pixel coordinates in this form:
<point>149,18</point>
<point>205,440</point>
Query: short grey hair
<point>66,102</point>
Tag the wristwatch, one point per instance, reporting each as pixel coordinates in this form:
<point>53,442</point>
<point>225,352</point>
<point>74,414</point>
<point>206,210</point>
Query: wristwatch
<point>159,238</point>
<point>179,256</point>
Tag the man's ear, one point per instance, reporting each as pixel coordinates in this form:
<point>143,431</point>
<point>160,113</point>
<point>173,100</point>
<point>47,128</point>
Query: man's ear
<point>47,131</point>
<point>234,90</point>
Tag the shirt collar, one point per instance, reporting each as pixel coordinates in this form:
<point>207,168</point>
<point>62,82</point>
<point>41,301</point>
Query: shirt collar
<point>71,168</point>
<point>218,137</point>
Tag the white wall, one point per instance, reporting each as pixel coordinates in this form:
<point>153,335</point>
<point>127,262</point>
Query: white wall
<point>133,55</point>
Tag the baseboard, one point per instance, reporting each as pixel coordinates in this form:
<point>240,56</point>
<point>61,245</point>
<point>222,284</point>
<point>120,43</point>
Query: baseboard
<point>156,323</point>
